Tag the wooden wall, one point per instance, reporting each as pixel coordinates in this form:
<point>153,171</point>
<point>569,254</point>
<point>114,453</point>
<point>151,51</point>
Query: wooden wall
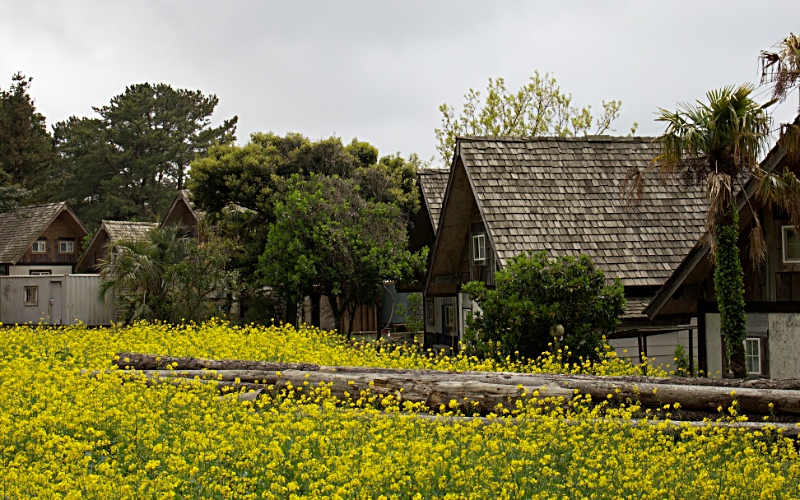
<point>62,227</point>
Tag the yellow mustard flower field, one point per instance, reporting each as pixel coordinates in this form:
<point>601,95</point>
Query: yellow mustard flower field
<point>67,434</point>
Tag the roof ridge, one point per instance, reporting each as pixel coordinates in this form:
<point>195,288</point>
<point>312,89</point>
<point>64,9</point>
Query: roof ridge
<point>590,138</point>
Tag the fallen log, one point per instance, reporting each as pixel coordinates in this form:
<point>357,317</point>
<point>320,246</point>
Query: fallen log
<point>487,389</point>
<point>470,395</point>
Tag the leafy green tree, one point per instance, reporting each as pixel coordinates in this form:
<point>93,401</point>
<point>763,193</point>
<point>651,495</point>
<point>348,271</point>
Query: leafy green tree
<point>538,108</point>
<point>719,144</point>
<point>240,186</point>
<point>328,239</point>
<point>164,277</point>
<point>130,162</point>
<point>539,302</point>
<point>26,148</point>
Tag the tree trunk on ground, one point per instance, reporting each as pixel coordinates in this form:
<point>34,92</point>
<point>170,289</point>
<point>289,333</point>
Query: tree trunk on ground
<point>487,389</point>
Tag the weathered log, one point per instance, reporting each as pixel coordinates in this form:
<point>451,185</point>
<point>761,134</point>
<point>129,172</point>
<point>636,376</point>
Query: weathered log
<point>140,361</point>
<point>487,388</point>
<point>470,395</point>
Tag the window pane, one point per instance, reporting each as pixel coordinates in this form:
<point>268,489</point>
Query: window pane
<point>791,244</point>
<point>752,355</point>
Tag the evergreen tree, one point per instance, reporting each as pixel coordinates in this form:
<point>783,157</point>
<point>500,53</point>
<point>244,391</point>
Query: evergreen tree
<point>130,162</point>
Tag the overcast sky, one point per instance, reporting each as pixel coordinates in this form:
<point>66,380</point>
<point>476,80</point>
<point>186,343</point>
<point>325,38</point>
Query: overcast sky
<point>379,70</point>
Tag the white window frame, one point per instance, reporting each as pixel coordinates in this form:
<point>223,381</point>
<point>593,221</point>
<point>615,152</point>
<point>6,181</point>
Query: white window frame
<point>40,272</point>
<point>752,358</point>
<point>68,244</point>
<point>449,313</point>
<point>479,248</point>
<point>785,231</point>
<point>31,295</point>
<point>39,246</point>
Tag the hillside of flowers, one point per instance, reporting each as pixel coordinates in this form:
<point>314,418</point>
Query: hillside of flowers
<point>68,433</point>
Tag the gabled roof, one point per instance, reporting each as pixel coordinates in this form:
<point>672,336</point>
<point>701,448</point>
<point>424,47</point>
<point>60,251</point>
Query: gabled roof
<point>432,185</point>
<point>19,229</point>
<point>129,231</point>
<point>182,201</point>
<point>563,195</point>
<point>112,230</point>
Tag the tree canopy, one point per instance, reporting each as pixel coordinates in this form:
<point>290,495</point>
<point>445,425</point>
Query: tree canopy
<point>129,163</point>
<point>26,148</point>
<point>538,108</point>
<point>541,302</point>
<point>239,187</point>
<point>329,239</point>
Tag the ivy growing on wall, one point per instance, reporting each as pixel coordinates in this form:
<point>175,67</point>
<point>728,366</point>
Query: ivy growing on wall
<point>729,286</point>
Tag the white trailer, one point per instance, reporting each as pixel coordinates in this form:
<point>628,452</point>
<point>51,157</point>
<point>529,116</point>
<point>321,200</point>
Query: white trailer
<point>59,299</point>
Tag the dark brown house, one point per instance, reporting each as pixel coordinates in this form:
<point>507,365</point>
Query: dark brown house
<point>40,239</point>
<point>772,291</point>
<point>110,231</point>
<point>509,195</point>
<point>182,213</point>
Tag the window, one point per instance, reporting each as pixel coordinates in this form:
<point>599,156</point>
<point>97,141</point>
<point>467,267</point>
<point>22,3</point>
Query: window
<point>40,272</point>
<point>39,246</point>
<point>66,247</point>
<point>791,245</point>
<point>31,295</point>
<point>752,356</point>
<point>448,315</point>
<point>429,312</point>
<point>479,248</point>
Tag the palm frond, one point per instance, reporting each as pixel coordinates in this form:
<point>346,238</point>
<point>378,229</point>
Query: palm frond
<point>720,198</point>
<point>758,246</point>
<point>632,187</point>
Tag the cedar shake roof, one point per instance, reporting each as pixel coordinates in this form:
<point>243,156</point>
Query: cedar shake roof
<point>111,231</point>
<point>563,195</point>
<point>432,185</point>
<point>19,229</point>
<point>128,231</point>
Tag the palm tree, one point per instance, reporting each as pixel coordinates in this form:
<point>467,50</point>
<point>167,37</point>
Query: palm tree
<point>138,273</point>
<point>718,144</point>
<point>782,67</point>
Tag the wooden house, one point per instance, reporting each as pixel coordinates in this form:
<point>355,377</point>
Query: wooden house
<point>772,290</point>
<point>40,240</point>
<point>182,213</point>
<point>563,195</point>
<point>110,231</point>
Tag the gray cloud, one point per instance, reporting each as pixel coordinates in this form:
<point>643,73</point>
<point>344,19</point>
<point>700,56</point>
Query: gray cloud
<point>379,70</point>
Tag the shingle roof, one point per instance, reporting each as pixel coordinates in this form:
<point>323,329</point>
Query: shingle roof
<point>563,195</point>
<point>18,229</point>
<point>129,231</point>
<point>432,185</point>
<point>634,307</point>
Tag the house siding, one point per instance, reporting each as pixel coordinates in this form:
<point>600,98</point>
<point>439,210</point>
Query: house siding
<point>784,349</point>
<point>60,228</point>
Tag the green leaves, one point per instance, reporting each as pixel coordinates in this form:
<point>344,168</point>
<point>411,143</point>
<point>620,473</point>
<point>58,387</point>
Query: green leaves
<point>537,108</point>
<point>535,294</point>
<point>129,163</point>
<point>328,239</point>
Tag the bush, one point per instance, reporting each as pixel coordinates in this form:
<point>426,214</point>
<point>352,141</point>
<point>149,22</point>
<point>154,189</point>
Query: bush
<point>541,304</point>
